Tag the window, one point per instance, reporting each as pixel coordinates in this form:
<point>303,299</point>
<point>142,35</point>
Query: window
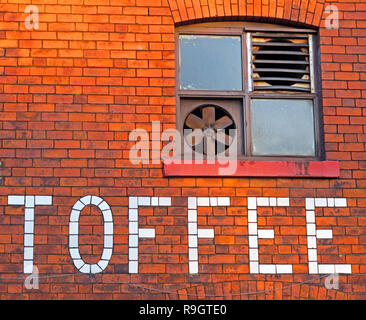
<point>251,87</point>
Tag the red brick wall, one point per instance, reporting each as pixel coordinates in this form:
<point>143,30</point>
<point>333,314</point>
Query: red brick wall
<point>70,93</point>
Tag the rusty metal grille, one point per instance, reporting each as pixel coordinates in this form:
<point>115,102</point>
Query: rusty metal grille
<point>281,62</point>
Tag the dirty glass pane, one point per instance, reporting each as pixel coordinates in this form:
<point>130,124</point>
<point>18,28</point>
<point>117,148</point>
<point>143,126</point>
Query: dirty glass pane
<point>283,127</point>
<point>210,62</point>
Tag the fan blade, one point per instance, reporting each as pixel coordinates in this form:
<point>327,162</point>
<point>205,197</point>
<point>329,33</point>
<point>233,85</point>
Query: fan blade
<point>195,122</point>
<point>210,147</point>
<point>208,115</point>
<point>223,123</point>
<point>194,138</point>
<point>223,138</point>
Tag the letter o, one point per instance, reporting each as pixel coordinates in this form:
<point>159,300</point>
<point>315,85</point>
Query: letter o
<point>74,234</point>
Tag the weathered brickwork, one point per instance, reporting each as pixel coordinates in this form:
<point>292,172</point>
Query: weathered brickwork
<point>71,92</point>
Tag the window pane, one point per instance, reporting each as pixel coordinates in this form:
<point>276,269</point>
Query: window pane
<point>210,63</point>
<point>283,127</point>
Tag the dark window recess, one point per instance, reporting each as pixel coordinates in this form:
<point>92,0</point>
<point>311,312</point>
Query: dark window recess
<point>261,83</point>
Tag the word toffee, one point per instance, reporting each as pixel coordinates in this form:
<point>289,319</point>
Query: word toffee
<point>194,233</point>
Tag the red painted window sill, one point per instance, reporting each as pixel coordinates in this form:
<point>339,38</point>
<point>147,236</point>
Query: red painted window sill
<point>276,169</point>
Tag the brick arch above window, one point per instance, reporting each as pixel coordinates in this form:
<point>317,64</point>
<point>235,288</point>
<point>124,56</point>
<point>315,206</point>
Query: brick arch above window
<point>300,12</point>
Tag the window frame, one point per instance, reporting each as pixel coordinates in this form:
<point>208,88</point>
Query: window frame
<point>244,29</point>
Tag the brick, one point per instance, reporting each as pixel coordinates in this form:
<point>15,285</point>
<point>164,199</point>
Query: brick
<point>71,92</point>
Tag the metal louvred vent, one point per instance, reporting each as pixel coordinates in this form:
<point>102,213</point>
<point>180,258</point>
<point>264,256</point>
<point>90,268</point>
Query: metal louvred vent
<point>207,129</point>
<point>281,62</point>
